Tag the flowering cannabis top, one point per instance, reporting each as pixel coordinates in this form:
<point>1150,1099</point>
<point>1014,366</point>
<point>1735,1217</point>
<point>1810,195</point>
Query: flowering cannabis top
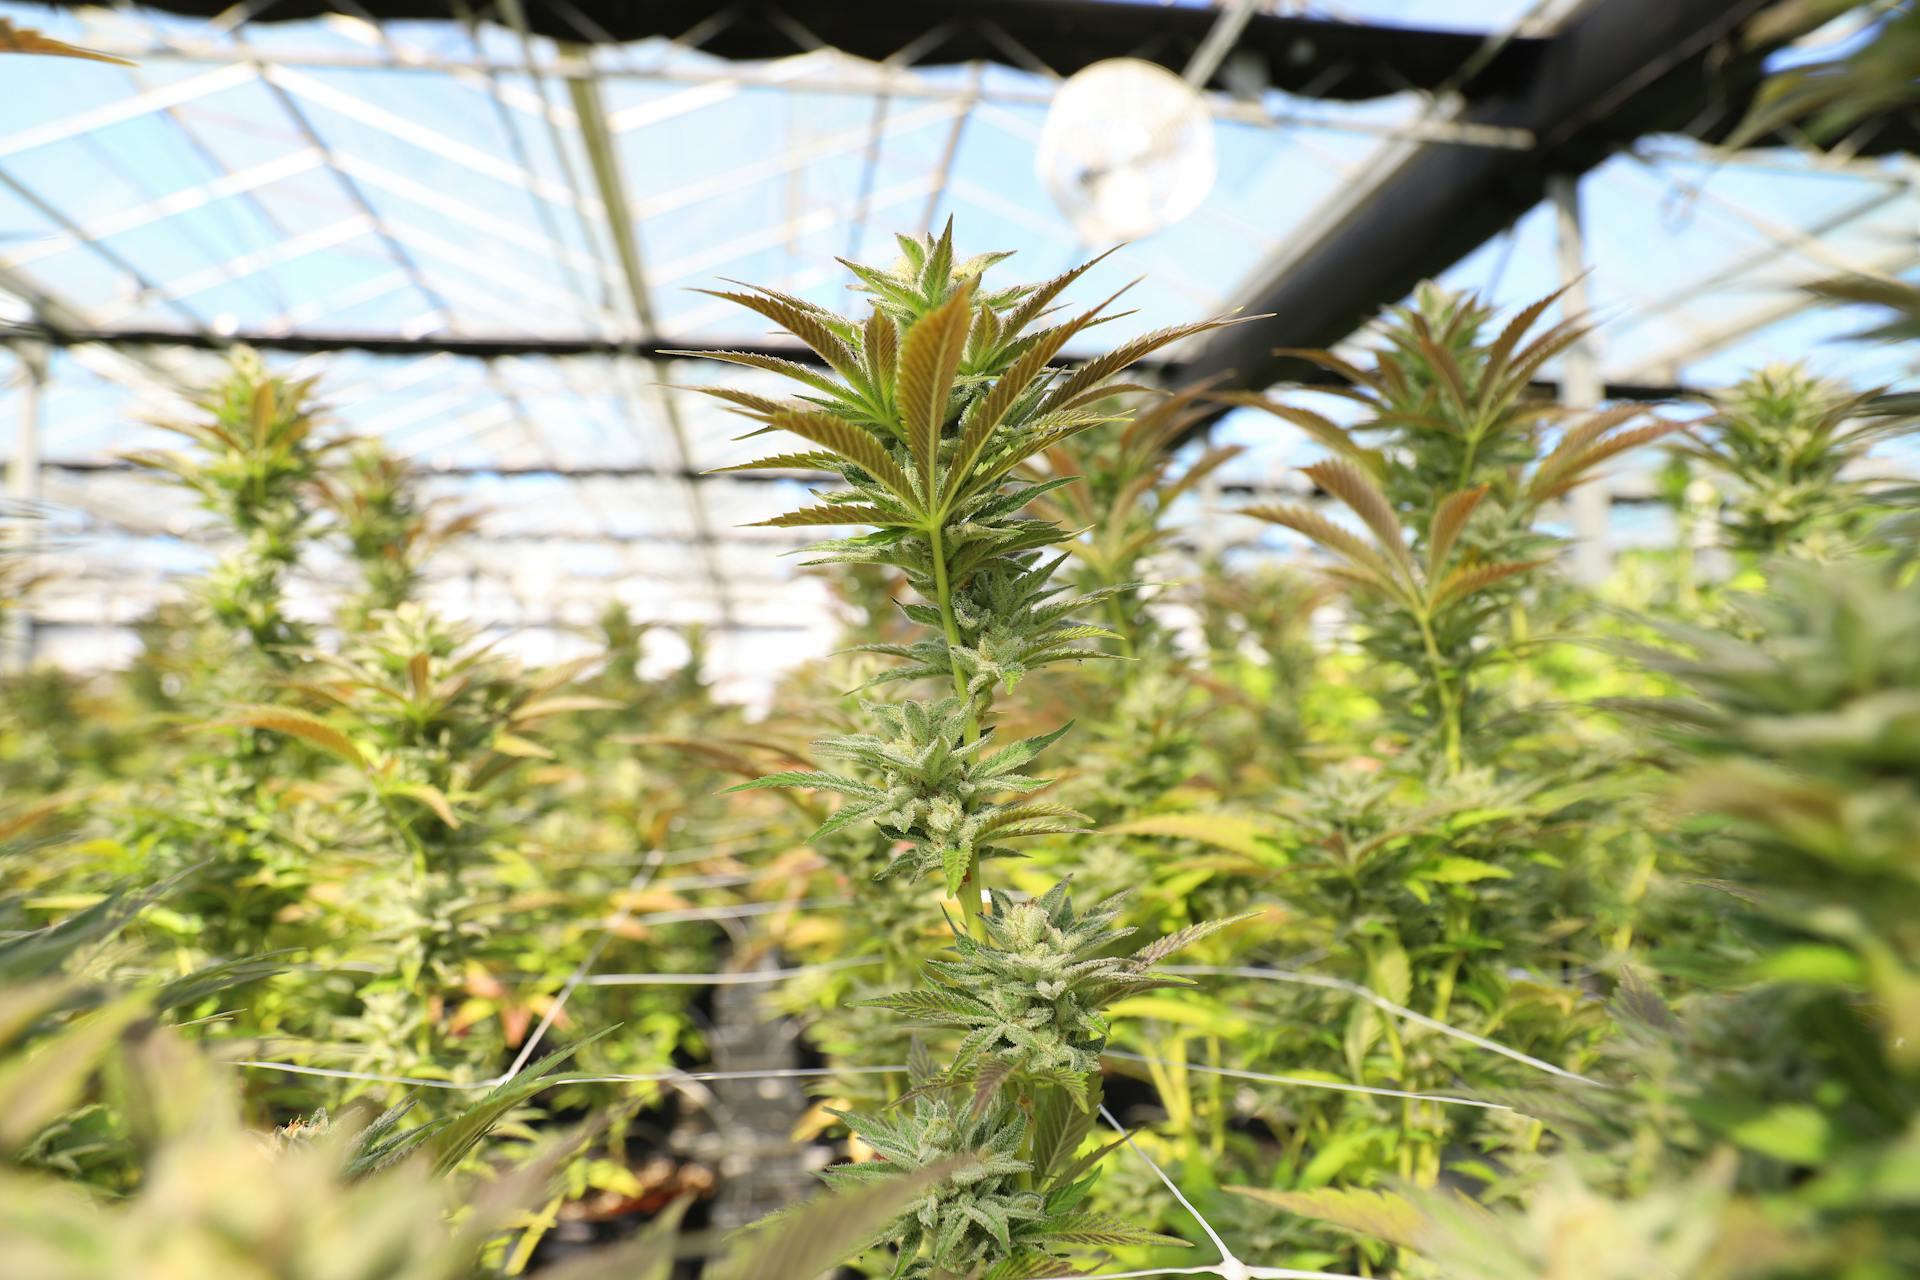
<point>1029,996</point>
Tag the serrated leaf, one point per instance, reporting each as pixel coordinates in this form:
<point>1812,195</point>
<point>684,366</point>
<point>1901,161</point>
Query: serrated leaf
<point>1368,563</point>
<point>1103,1229</point>
<point>852,443</point>
<point>432,797</point>
<point>771,364</point>
<point>1012,757</point>
<point>308,728</point>
<point>930,357</point>
<point>1087,379</point>
<point>1449,518</point>
<point>1462,583</point>
<point>930,1003</point>
<point>808,780</point>
<point>803,320</point>
<point>808,517</point>
<point>1357,490</point>
<point>512,744</point>
<point>1161,948</point>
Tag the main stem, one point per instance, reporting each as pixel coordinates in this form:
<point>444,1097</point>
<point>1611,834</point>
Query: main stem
<point>1443,688</point>
<point>970,885</point>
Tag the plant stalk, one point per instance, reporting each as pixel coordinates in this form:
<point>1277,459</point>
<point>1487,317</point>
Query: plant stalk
<point>1443,689</point>
<point>970,885</point>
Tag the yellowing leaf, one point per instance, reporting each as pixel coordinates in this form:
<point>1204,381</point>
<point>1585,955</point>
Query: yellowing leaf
<point>541,708</point>
<point>1209,1019</point>
<point>298,724</point>
<point>510,744</point>
<point>1454,869</point>
<point>26,40</point>
<point>1227,831</point>
<point>1378,1214</point>
<point>430,796</point>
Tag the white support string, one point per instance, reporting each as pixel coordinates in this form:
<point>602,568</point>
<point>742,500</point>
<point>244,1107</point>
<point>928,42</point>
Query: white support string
<point>742,912</point>
<point>1302,1082</point>
<point>549,1082</point>
<point>728,880</point>
<point>1226,1254</point>
<point>641,878</point>
<point>748,977</point>
<point>370,1077</point>
<point>1379,1002</point>
<point>1227,1269</point>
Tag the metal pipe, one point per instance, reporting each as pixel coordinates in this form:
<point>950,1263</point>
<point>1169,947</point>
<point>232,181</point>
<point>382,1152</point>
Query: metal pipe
<point>23,493</point>
<point>1581,388</point>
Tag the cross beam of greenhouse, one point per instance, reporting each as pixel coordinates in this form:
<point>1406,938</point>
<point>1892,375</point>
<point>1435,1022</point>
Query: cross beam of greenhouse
<point>1311,57</point>
<point>1618,70</point>
<point>500,346</point>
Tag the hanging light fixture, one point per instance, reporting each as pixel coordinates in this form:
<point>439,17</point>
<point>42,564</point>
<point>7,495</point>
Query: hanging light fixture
<point>1127,149</point>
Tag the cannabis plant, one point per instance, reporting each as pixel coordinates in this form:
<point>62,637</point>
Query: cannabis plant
<point>257,452</point>
<point>426,722</point>
<point>1766,1086</point>
<point>1447,471</point>
<point>1122,506</point>
<point>124,1153</point>
<point>1787,447</point>
<point>1456,859</point>
<point>940,394</point>
<point>390,529</point>
<point>928,407</point>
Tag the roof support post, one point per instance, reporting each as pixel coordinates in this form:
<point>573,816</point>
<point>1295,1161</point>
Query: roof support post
<point>1580,387</point>
<point>23,494</point>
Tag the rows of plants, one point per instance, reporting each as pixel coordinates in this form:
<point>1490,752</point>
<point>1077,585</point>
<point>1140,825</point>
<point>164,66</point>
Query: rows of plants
<point>1399,907</point>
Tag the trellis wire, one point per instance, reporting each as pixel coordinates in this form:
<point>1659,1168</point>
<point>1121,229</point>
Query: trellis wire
<point>727,880</point>
<point>1300,1082</point>
<point>1229,1266</point>
<point>646,1077</point>
<point>641,878</point>
<point>1379,1002</point>
<point>1337,1086</point>
<point>1218,1243</point>
<point>746,977</point>
<point>694,914</point>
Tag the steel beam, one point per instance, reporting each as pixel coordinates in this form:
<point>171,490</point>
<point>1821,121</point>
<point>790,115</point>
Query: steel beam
<point>1318,56</point>
<point>1619,69</point>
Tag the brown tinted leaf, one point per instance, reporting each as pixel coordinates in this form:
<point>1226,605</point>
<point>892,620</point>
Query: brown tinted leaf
<point>1351,485</point>
<point>929,359</point>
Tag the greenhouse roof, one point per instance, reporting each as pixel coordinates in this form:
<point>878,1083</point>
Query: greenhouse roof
<point>483,229</point>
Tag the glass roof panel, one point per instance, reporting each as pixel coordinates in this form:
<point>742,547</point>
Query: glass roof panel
<point>431,179</point>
